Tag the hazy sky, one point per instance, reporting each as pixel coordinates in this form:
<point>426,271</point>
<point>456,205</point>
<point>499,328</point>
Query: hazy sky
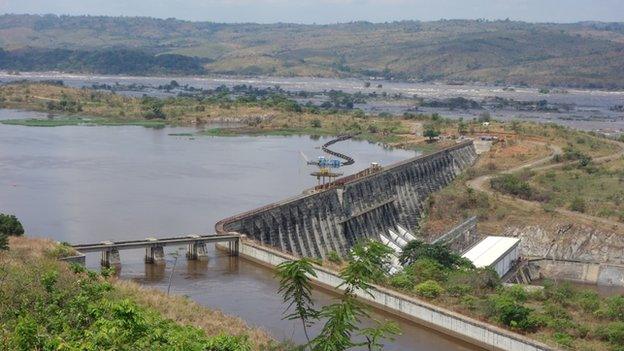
<point>331,11</point>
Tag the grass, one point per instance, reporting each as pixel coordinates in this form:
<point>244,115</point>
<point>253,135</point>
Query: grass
<point>601,187</point>
<point>80,121</point>
<point>47,303</point>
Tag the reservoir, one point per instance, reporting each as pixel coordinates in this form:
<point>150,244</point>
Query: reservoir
<point>87,184</point>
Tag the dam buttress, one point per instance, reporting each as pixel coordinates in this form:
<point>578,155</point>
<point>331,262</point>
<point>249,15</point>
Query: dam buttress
<point>354,207</point>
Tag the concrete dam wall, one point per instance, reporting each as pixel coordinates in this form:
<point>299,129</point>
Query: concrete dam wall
<point>354,207</point>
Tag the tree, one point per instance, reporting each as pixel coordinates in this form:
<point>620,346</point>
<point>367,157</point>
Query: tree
<point>296,290</point>
<point>316,123</point>
<point>4,242</point>
<point>462,128</point>
<point>367,262</point>
<point>381,331</point>
<point>10,225</point>
<point>416,250</point>
<point>431,133</point>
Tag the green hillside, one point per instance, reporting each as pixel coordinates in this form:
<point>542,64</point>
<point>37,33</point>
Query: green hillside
<point>582,54</point>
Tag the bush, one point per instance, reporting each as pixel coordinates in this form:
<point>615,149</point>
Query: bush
<point>4,242</point>
<point>578,205</point>
<point>517,293</point>
<point>334,257</point>
<point>431,133</point>
<point>613,333</point>
<point>316,123</point>
<point>10,225</point>
<point>402,280</point>
<point>427,269</point>
<point>512,314</point>
<point>512,184</point>
<point>589,301</point>
<point>562,293</point>
<point>563,339</point>
<point>229,343</point>
<point>429,289</point>
<point>416,249</point>
<point>615,308</point>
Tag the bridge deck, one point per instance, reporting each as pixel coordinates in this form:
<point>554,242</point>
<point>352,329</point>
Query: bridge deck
<point>135,244</point>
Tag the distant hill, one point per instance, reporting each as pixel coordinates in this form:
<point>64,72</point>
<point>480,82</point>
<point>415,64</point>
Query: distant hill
<point>588,54</point>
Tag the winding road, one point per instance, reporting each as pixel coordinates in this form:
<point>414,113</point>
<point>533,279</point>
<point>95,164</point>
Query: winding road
<point>482,183</point>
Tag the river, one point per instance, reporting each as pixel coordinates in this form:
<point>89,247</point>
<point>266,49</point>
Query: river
<point>590,110</point>
<point>87,184</point>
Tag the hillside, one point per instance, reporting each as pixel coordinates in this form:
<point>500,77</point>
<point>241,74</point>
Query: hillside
<point>583,54</point>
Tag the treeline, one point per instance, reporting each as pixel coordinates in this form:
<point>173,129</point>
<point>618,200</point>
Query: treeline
<point>103,61</point>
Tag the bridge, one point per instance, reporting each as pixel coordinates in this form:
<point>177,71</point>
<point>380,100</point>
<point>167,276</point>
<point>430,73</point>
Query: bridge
<point>154,248</point>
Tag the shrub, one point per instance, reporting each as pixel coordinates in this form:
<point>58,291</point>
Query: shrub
<point>561,293</point>
<point>427,269</point>
<point>10,225</point>
<point>578,205</point>
<point>458,290</point>
<point>431,133</point>
<point>512,314</point>
<point>416,249</point>
<point>563,339</point>
<point>334,257</point>
<point>315,123</point>
<point>228,343</point>
<point>589,301</point>
<point>613,333</point>
<point>512,184</point>
<point>402,280</point>
<point>4,242</point>
<point>429,289</point>
<point>517,293</point>
<point>615,308</point>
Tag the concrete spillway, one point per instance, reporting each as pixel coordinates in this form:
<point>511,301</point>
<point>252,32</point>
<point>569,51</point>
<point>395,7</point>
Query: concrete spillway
<point>355,207</point>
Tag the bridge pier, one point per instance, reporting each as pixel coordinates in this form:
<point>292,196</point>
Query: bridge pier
<point>110,256</point>
<point>154,253</point>
<point>196,250</point>
<point>233,247</point>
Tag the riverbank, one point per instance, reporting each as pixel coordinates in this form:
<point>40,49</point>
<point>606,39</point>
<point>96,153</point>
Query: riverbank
<point>48,303</point>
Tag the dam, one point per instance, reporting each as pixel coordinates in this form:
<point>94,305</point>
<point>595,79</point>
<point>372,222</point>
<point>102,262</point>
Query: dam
<point>363,205</point>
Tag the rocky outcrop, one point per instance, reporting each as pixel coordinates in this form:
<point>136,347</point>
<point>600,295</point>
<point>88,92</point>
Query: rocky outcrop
<point>568,241</point>
<point>355,208</point>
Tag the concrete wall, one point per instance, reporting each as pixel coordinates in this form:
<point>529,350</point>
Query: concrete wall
<point>581,272</point>
<point>448,322</point>
<point>79,259</point>
<point>334,219</point>
<point>462,237</point>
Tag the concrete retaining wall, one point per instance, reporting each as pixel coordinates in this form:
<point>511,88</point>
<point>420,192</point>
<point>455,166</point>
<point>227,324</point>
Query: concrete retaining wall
<point>334,219</point>
<point>79,259</point>
<point>582,272</point>
<point>462,237</point>
<point>445,321</point>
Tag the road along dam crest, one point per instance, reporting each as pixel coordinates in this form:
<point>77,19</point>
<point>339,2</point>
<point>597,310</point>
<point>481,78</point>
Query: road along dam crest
<point>354,207</point>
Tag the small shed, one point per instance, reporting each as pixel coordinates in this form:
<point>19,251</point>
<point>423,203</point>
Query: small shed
<point>497,252</point>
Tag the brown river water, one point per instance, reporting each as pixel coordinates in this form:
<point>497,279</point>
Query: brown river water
<point>88,184</point>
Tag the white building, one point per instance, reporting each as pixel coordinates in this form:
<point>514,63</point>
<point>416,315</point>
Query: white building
<point>497,252</point>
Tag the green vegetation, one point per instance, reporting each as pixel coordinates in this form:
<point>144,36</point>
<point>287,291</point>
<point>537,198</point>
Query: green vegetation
<point>559,314</point>
<point>368,262</point>
<point>598,189</point>
<point>582,54</point>
<point>49,305</point>
<point>9,226</point>
<point>81,121</point>
<point>103,61</point>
